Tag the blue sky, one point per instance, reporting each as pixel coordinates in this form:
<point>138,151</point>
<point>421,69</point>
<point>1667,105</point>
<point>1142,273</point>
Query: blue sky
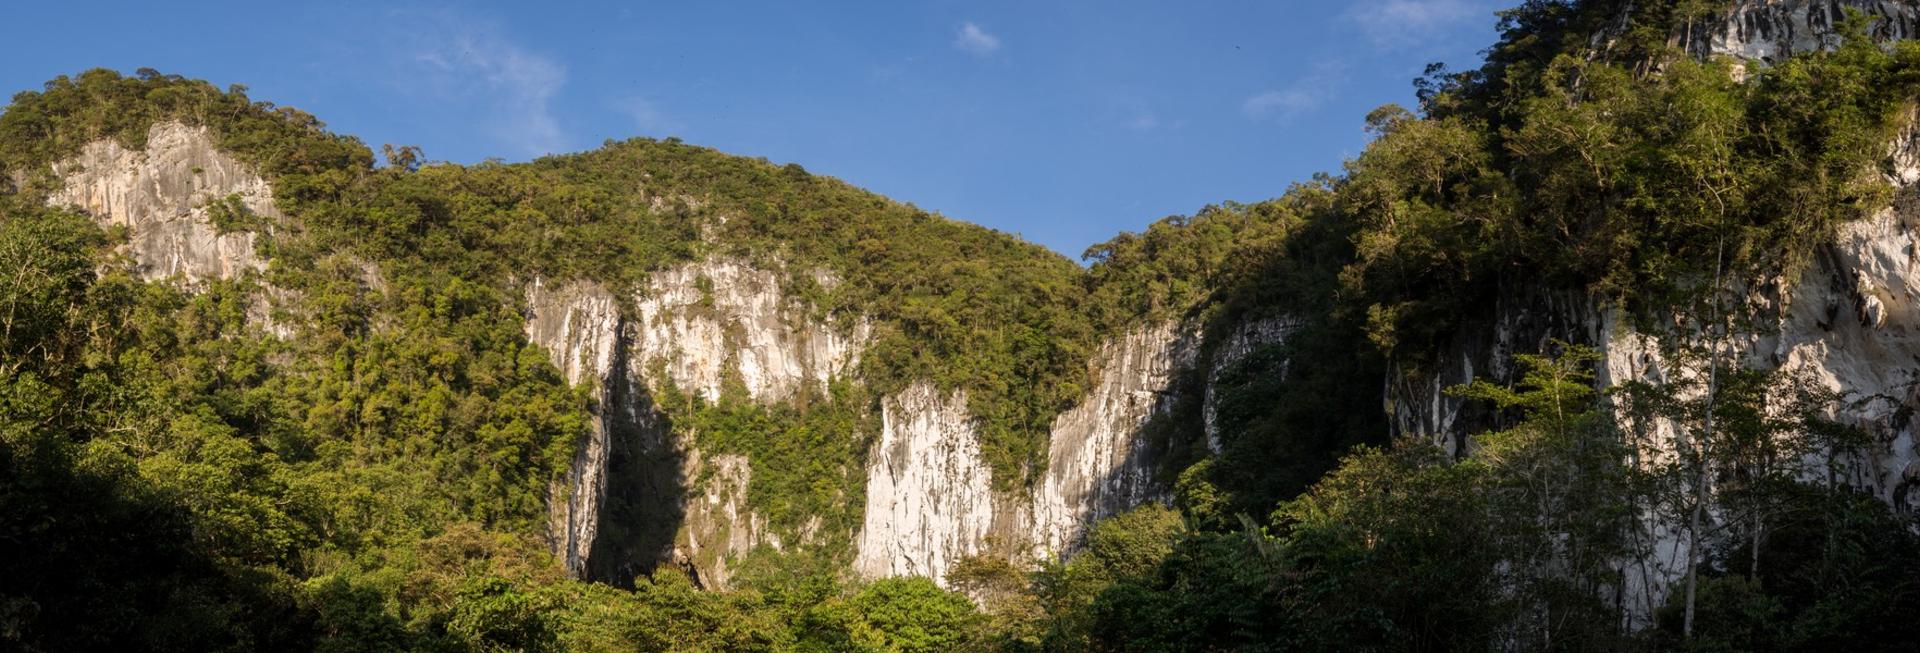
<point>1066,122</point>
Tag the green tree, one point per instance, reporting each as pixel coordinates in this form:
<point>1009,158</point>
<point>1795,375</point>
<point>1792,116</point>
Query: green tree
<point>912,615</point>
<point>1559,495</point>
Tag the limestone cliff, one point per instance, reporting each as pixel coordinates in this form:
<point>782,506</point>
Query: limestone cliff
<point>1847,323</point>
<point>1097,462</point>
<point>1524,318</point>
<point>1856,327</point>
<point>1241,341</point>
<point>928,502</point>
<point>579,326</point>
<point>722,317</point>
<point>1771,30</point>
<point>930,498</point>
<point>698,327</point>
<point>163,195</point>
<point>720,525</point>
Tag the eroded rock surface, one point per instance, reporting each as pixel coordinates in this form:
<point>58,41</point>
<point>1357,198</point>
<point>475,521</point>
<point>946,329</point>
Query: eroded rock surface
<point>721,526</point>
<point>579,326</point>
<point>162,195</point>
<point>1848,324</point>
<point>930,498</point>
<point>1099,463</point>
<point>721,318</point>
<point>1772,30</point>
<point>1242,341</point>
<point>697,327</point>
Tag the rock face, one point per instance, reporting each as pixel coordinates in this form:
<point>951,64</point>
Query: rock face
<point>1771,30</point>
<point>1852,325</point>
<point>701,327</point>
<point>1239,343</point>
<point>1098,463</point>
<point>930,499</point>
<point>162,195</point>
<point>713,325</point>
<point>1848,324</point>
<point>628,501</point>
<point>928,502</point>
<point>723,318</point>
<point>579,326</point>
<point>1521,321</point>
<point>721,526</point>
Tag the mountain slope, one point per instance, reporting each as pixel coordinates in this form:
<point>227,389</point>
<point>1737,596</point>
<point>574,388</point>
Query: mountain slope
<point>1634,308</point>
<point>756,345</point>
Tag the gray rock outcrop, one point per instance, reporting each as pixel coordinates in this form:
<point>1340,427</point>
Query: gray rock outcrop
<point>164,196</point>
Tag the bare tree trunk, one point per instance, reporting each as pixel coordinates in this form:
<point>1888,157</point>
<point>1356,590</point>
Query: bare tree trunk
<point>1693,555</point>
<point>1706,438</point>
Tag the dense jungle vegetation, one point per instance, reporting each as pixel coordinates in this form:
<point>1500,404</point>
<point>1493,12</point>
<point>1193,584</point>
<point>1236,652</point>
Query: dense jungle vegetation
<point>174,477</point>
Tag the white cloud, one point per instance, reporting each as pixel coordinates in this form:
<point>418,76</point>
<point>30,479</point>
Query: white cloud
<point>1144,122</point>
<point>1283,103</point>
<point>1399,22</point>
<point>647,117</point>
<point>1306,94</point>
<point>464,60</point>
<point>975,41</point>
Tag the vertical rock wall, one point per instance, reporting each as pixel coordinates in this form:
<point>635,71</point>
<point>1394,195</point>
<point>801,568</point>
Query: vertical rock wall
<point>1241,341</point>
<point>1848,323</point>
<point>722,526</point>
<point>698,326</point>
<point>1772,30</point>
<point>579,326</point>
<point>161,195</point>
<point>1097,462</point>
<point>722,318</point>
<point>1853,325</point>
<point>930,498</point>
<point>1522,320</point>
<point>704,327</point>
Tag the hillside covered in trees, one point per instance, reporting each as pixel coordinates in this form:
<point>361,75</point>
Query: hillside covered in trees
<point>349,438</point>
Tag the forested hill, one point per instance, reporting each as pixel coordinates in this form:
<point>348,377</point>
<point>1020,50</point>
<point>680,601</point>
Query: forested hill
<point>1603,345</point>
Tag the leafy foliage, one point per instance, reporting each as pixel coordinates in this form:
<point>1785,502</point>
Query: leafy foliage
<point>358,453</point>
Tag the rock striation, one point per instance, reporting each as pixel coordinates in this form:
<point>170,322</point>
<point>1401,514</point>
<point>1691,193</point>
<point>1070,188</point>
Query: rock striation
<point>1772,30</point>
<point>721,325</point>
<point>700,328</point>
<point>1240,342</point>
<point>578,324</point>
<point>162,195</point>
<point>1847,324</point>
<point>1098,462</point>
<point>722,318</point>
<point>930,498</point>
<point>720,525</point>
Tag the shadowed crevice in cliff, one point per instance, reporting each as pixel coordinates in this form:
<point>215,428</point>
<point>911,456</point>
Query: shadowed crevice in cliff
<point>1520,318</point>
<point>1146,473</point>
<point>1284,382</point>
<point>1282,414</point>
<point>646,501</point>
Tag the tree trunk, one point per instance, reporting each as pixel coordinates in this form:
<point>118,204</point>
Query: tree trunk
<point>1706,438</point>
